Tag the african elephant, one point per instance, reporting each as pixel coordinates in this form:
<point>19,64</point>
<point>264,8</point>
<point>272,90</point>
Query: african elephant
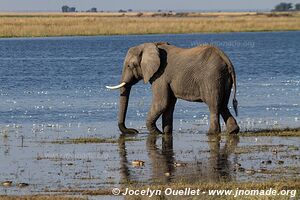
<point>199,74</point>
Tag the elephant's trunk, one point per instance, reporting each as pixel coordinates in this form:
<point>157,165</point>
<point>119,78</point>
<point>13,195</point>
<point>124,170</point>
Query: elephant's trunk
<point>124,98</point>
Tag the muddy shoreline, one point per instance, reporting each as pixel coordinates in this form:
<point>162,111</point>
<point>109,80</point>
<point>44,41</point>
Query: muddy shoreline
<point>187,158</point>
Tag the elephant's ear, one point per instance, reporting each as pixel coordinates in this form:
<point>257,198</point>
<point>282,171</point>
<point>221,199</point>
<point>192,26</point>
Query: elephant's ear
<point>150,61</point>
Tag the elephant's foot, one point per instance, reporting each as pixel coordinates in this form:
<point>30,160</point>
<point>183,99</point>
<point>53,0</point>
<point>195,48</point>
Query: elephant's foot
<point>232,127</point>
<point>213,131</point>
<point>214,128</point>
<point>157,132</point>
<point>168,130</point>
<point>233,130</point>
<point>153,129</point>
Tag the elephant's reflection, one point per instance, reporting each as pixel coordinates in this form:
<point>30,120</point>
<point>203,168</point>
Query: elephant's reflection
<point>124,170</point>
<point>162,161</point>
<point>219,163</point>
<point>216,167</point>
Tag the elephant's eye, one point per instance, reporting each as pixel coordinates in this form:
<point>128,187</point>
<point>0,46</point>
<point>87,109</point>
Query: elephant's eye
<point>132,65</point>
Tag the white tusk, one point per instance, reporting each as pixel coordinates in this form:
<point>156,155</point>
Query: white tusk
<point>115,87</point>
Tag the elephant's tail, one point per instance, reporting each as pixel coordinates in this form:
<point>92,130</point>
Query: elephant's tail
<point>233,77</point>
<point>234,101</point>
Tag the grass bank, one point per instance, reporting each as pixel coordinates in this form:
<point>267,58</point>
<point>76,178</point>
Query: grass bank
<point>84,140</point>
<point>289,184</point>
<point>89,24</point>
<point>278,185</point>
<point>39,197</point>
<point>273,132</point>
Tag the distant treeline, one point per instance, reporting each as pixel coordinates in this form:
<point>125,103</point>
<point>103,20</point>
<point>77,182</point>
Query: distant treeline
<point>287,7</point>
<point>280,7</point>
<point>66,8</point>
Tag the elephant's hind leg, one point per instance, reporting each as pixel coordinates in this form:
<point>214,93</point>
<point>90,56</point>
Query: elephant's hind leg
<point>167,117</point>
<point>214,102</point>
<point>214,126</point>
<point>231,123</point>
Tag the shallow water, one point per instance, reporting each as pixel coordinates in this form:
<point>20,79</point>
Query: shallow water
<point>53,89</point>
<point>188,156</point>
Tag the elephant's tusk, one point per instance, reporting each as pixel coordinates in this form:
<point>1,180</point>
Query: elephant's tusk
<point>115,87</point>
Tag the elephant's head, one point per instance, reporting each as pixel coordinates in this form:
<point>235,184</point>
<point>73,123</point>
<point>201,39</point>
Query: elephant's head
<point>141,62</point>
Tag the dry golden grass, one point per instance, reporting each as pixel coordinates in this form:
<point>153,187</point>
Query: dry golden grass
<point>39,197</point>
<point>288,184</point>
<point>60,24</point>
<point>283,184</point>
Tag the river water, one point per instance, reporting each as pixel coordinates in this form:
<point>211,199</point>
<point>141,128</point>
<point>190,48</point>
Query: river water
<point>54,88</point>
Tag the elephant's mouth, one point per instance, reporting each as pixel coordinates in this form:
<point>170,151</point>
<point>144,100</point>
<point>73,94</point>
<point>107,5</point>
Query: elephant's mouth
<point>116,86</point>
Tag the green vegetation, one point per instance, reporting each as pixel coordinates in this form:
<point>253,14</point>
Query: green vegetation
<point>283,7</point>
<point>273,132</point>
<point>83,140</point>
<point>66,8</point>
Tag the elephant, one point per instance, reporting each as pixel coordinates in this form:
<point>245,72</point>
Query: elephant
<point>199,74</point>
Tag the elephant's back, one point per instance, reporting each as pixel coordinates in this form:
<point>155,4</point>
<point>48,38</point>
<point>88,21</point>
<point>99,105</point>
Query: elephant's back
<point>198,60</point>
<point>197,70</point>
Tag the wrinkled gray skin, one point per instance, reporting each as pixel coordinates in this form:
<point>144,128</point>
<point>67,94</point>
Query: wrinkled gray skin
<point>199,74</point>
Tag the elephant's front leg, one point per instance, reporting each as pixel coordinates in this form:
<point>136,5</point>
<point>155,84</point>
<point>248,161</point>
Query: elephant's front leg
<point>155,112</point>
<point>167,117</point>
<point>159,105</point>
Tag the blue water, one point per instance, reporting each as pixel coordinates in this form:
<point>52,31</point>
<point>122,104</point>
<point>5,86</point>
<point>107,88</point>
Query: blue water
<point>54,88</point>
<point>62,80</point>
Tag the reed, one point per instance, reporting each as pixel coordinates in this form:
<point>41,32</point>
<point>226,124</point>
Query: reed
<point>88,24</point>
